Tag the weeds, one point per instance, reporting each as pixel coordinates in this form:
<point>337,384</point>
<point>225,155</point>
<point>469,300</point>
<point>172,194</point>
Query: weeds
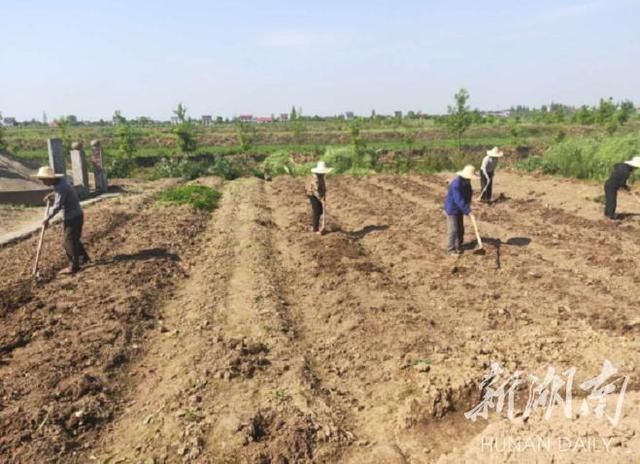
<point>197,196</point>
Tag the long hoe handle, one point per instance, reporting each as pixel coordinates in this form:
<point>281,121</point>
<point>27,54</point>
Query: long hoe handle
<point>484,189</point>
<point>35,266</point>
<point>475,228</point>
<point>324,214</point>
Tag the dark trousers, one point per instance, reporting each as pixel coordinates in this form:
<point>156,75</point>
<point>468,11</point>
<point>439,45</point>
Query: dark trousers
<point>611,201</point>
<point>316,211</point>
<point>72,244</point>
<point>455,236</point>
<point>486,195</point>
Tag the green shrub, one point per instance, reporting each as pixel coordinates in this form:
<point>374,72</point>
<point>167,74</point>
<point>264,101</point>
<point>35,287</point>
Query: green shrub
<point>224,168</point>
<point>347,160</point>
<point>432,163</point>
<point>120,168</point>
<point>584,158</point>
<point>196,196</point>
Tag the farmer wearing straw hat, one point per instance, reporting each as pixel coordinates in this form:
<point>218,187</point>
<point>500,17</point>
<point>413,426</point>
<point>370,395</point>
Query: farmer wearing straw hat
<point>456,206</point>
<point>66,199</point>
<point>317,193</point>
<point>487,170</point>
<point>617,181</point>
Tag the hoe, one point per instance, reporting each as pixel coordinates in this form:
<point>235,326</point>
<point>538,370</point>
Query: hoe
<point>479,249</point>
<point>36,273</point>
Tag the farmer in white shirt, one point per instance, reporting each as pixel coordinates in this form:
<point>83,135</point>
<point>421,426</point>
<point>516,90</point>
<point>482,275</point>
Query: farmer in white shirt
<point>487,170</point>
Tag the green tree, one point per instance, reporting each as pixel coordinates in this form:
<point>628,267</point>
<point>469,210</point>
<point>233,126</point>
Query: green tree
<point>357,143</point>
<point>605,112</point>
<point>118,118</point>
<point>126,141</point>
<point>3,144</point>
<point>584,115</point>
<point>299,131</point>
<point>294,115</point>
<point>625,112</point>
<point>63,127</point>
<point>246,136</point>
<point>185,131</point>
<point>459,118</point>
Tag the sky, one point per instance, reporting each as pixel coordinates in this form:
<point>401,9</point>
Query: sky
<point>143,57</point>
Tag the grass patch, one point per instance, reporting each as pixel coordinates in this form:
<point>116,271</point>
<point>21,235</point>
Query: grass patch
<point>196,196</point>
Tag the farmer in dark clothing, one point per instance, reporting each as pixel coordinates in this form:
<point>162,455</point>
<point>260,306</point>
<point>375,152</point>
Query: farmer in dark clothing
<point>456,206</point>
<point>317,193</point>
<point>487,171</point>
<point>66,199</point>
<point>617,181</point>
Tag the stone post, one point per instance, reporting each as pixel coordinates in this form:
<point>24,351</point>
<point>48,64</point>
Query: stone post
<point>99,174</point>
<point>79,170</point>
<point>56,156</point>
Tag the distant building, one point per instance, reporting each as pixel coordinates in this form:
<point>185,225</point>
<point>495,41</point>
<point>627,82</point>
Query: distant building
<point>246,117</point>
<point>206,120</point>
<point>498,113</point>
<point>348,115</point>
<point>9,122</point>
<point>175,120</point>
<point>397,114</point>
<point>264,119</point>
<point>284,117</point>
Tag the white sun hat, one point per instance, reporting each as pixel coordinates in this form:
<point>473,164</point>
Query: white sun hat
<point>321,168</point>
<point>634,162</point>
<point>46,172</point>
<point>495,152</point>
<point>468,172</point>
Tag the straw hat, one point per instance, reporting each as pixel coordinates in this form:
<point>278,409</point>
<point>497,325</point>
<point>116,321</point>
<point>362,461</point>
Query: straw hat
<point>46,172</point>
<point>495,152</point>
<point>634,162</point>
<point>468,172</point>
<point>321,168</point>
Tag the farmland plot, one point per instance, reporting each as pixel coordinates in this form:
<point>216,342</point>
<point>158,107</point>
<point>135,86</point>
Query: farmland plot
<point>239,336</point>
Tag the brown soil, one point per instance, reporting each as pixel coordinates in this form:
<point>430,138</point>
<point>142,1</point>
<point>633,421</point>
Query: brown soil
<point>241,337</point>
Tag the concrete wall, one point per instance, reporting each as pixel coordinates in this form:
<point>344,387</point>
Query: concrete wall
<point>24,197</point>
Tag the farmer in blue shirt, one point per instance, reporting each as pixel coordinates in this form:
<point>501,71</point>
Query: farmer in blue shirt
<point>456,206</point>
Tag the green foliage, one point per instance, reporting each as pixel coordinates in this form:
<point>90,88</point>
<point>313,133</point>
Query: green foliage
<point>189,169</point>
<point>280,163</point>
<point>585,158</point>
<point>63,127</point>
<point>3,144</point>
<point>459,118</point>
<point>120,167</point>
<point>246,136</point>
<point>432,163</point>
<point>299,130</point>
<point>345,160</point>
<point>185,131</point>
<point>196,196</point>
<point>126,140</point>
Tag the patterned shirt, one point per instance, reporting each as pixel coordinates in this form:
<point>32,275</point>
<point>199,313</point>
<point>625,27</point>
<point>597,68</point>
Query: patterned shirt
<point>316,187</point>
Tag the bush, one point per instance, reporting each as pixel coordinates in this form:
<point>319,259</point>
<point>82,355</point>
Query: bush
<point>178,167</point>
<point>432,163</point>
<point>120,168</point>
<point>585,158</point>
<point>346,160</point>
<point>196,196</point>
